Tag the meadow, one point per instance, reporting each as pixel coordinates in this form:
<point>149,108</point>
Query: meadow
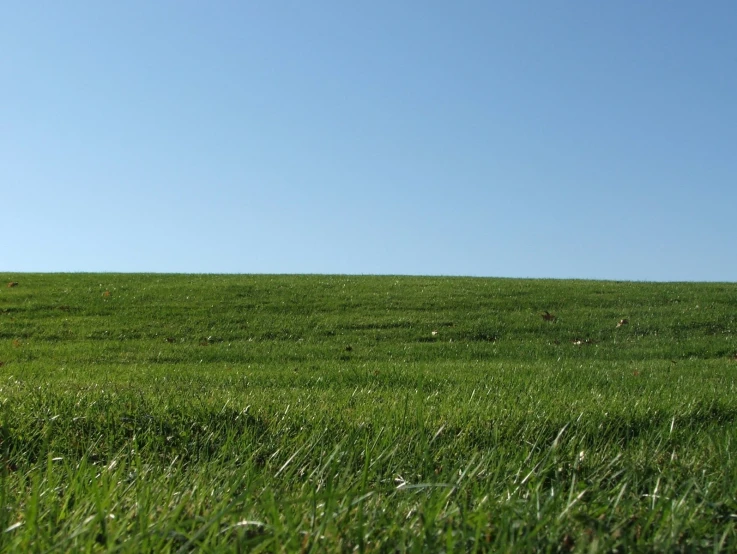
<point>260,413</point>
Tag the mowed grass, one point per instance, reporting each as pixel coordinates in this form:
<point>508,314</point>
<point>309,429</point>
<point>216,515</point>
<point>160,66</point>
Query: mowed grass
<point>171,413</point>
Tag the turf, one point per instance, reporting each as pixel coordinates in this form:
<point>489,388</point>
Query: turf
<point>170,413</point>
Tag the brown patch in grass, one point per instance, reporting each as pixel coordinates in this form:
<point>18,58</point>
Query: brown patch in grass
<point>547,316</point>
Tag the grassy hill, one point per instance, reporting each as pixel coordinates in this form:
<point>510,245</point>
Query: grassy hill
<point>335,413</point>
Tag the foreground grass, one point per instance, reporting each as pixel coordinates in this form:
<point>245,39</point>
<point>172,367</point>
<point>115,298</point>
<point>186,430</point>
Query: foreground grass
<point>153,413</point>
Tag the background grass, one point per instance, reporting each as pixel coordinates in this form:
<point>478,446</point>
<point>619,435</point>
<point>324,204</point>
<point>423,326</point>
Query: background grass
<point>166,413</point>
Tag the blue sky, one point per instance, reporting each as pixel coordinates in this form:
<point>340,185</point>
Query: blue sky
<point>517,139</point>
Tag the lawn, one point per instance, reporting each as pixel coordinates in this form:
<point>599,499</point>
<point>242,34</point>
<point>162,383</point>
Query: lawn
<point>311,413</point>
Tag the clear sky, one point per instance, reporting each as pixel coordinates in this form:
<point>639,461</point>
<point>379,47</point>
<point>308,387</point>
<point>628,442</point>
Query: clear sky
<point>580,139</point>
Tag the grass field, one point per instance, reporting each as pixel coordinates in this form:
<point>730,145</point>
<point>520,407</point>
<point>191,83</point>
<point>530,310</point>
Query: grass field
<point>170,413</point>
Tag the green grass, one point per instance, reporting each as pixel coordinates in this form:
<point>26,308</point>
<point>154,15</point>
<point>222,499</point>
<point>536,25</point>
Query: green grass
<point>171,413</point>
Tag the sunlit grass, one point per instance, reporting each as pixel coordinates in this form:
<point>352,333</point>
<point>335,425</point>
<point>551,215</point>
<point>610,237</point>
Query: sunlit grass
<point>155,413</point>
